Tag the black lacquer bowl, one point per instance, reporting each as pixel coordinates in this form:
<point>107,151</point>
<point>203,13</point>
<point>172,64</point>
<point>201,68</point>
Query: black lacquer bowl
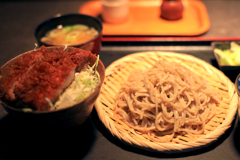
<point>93,45</point>
<point>77,113</point>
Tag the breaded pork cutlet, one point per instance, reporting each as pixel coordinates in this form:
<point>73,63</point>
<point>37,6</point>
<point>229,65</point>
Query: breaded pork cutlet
<point>44,78</point>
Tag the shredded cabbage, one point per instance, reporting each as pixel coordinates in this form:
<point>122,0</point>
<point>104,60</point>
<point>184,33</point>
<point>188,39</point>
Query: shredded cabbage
<point>84,84</point>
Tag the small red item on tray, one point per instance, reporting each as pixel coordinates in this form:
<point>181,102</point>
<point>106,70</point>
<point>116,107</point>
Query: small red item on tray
<point>171,9</point>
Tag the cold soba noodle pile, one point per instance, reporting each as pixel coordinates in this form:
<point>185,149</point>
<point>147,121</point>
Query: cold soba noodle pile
<point>166,99</point>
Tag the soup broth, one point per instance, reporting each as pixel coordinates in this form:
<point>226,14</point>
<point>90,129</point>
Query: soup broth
<point>69,35</point>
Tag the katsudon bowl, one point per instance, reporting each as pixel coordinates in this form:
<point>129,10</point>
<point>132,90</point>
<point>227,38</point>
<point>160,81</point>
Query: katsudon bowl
<point>76,113</point>
<point>73,26</point>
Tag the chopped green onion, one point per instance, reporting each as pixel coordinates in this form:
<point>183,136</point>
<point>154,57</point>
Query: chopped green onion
<point>68,28</point>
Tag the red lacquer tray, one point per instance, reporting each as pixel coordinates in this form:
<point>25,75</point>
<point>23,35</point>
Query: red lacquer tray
<point>144,19</point>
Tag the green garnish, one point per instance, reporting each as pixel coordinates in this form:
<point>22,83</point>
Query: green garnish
<point>68,28</point>
<point>229,56</point>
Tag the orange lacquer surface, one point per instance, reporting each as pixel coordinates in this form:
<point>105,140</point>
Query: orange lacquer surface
<point>144,19</point>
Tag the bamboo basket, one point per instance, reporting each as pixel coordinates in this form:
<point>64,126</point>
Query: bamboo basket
<point>119,71</point>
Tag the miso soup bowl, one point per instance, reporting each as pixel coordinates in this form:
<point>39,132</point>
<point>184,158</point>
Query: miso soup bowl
<point>74,114</point>
<point>93,45</point>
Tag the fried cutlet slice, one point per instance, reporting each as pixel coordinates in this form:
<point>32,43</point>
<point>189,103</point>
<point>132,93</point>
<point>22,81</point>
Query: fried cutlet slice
<point>11,74</point>
<point>49,76</point>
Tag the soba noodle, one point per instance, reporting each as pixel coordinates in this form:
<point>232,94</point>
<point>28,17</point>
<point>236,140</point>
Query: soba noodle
<point>164,100</point>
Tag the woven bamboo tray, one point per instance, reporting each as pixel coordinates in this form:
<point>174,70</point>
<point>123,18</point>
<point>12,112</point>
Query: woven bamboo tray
<point>119,71</point>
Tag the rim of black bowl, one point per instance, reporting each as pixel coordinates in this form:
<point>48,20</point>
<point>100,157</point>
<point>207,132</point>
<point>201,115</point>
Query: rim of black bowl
<point>62,16</point>
<point>5,104</point>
